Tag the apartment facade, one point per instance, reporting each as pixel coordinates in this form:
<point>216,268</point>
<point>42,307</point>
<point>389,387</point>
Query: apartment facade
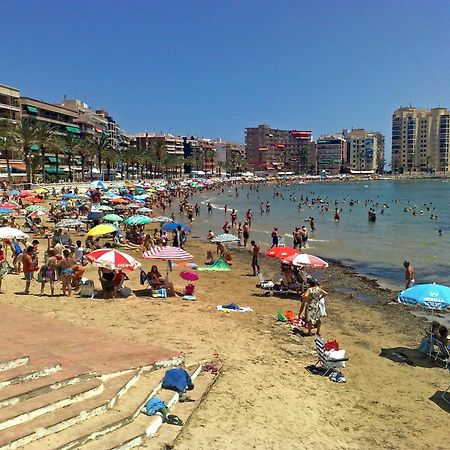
<point>200,154</point>
<point>365,150</point>
<point>173,144</point>
<point>331,153</point>
<point>420,139</point>
<point>229,153</point>
<point>274,150</point>
<point>9,103</point>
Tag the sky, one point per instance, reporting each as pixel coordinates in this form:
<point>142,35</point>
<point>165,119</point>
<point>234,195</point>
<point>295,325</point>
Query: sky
<point>212,67</point>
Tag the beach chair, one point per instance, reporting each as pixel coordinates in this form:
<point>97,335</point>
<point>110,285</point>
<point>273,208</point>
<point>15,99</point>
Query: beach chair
<point>266,286</point>
<point>329,360</point>
<point>87,288</point>
<point>443,354</point>
<point>188,293</point>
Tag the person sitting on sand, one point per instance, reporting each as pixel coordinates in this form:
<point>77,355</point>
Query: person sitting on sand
<point>106,277</point>
<point>158,281</point>
<point>210,235</point>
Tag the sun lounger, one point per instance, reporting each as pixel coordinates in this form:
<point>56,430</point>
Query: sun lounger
<point>329,360</point>
<point>443,354</point>
<point>266,286</point>
<point>87,288</point>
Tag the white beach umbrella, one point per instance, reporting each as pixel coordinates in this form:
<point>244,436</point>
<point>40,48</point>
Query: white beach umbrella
<point>12,233</point>
<point>224,238</point>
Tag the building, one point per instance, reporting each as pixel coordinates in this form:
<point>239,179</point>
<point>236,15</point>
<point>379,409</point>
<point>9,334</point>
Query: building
<point>331,153</point>
<point>274,150</point>
<point>9,103</point>
<point>420,139</point>
<point>365,150</point>
<point>229,156</point>
<point>200,156</point>
<point>112,128</point>
<point>173,144</point>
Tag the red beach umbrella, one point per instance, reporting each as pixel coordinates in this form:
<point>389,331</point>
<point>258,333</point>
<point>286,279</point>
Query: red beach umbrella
<point>26,194</point>
<point>9,205</point>
<point>33,200</point>
<point>189,275</point>
<point>113,259</point>
<point>281,252</point>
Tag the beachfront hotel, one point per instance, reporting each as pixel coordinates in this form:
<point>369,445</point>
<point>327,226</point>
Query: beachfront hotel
<point>365,150</point>
<point>420,139</point>
<point>271,150</point>
<point>331,153</point>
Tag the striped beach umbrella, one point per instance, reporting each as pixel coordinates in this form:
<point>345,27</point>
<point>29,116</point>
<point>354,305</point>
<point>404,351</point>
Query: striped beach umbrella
<point>69,223</point>
<point>11,205</point>
<point>225,238</point>
<point>37,213</point>
<point>167,253</point>
<point>303,259</point>
<point>113,259</point>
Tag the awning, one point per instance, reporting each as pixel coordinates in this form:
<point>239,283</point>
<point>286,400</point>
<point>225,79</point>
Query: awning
<point>32,109</point>
<point>53,159</point>
<point>73,129</point>
<point>53,170</point>
<point>18,166</point>
<point>35,147</point>
<point>99,130</point>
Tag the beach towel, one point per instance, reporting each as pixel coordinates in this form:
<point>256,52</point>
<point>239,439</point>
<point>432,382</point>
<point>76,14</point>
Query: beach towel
<point>220,265</point>
<point>232,307</point>
<point>177,380</point>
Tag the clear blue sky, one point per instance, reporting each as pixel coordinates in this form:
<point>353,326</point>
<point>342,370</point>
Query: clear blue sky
<point>214,67</point>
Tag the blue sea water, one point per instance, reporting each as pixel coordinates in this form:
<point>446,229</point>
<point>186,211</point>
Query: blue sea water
<point>374,249</point>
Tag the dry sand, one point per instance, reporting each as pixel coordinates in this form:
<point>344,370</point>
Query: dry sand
<point>265,398</point>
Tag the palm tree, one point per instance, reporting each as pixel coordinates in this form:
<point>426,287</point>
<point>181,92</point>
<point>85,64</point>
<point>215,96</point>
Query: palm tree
<point>6,143</point>
<point>110,156</point>
<point>101,146</point>
<point>36,162</point>
<point>158,151</point>
<point>70,145</point>
<point>84,150</point>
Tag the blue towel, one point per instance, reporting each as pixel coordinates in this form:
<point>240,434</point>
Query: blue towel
<point>232,306</point>
<point>176,380</point>
<point>154,405</point>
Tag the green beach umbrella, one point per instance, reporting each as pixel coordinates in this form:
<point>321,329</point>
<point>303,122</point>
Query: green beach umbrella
<point>138,220</point>
<point>105,208</point>
<point>35,208</point>
<point>113,218</point>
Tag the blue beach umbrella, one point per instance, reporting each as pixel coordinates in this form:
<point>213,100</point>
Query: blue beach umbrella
<point>14,192</point>
<point>70,196</point>
<point>173,226</point>
<point>429,296</point>
<point>5,211</point>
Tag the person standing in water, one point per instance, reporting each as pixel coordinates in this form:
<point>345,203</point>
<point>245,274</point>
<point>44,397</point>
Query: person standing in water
<point>409,274</point>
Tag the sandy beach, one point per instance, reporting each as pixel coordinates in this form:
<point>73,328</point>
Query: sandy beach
<point>264,397</point>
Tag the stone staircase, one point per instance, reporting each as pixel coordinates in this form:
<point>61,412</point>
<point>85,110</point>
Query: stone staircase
<point>52,403</point>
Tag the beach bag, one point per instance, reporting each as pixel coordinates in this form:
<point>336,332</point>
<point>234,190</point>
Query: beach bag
<point>280,317</point>
<point>332,344</point>
<point>322,309</point>
<point>162,293</point>
<point>289,315</point>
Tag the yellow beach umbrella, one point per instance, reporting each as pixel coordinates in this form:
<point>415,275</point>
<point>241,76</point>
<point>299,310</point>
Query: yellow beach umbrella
<point>41,191</point>
<point>102,229</point>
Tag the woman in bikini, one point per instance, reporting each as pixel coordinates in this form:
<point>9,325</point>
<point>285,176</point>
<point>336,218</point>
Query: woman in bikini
<point>48,272</point>
<point>66,266</point>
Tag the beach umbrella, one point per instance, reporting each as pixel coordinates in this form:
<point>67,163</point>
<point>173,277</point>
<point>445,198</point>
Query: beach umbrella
<point>113,218</point>
<point>9,205</point>
<point>41,191</point>
<point>303,259</point>
<point>12,233</point>
<point>429,296</point>
<point>5,211</point>
<point>37,213</point>
<point>25,194</point>
<point>118,200</point>
<point>173,226</point>
<point>134,205</point>
<point>93,215</point>
<point>225,238</point>
<point>113,259</point>
<point>14,192</point>
<point>137,220</point>
<point>167,253</point>
<point>189,275</point>
<point>103,208</point>
<point>69,223</point>
<point>100,230</point>
<point>98,184</point>
<point>70,196</point>
<point>281,252</point>
<point>162,219</point>
<point>33,200</point>
<point>144,210</point>
<point>35,208</point>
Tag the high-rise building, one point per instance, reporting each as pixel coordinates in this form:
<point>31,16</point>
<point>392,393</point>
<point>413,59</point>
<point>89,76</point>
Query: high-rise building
<point>331,153</point>
<point>229,155</point>
<point>365,150</point>
<point>420,139</point>
<point>200,154</point>
<point>273,150</point>
<point>9,103</point>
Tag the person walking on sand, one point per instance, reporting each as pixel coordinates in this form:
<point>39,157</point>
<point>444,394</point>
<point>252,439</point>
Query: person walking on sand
<point>28,268</point>
<point>275,238</point>
<point>3,266</point>
<point>255,254</point>
<point>409,274</point>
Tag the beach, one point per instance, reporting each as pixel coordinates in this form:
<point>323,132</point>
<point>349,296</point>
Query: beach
<point>264,397</point>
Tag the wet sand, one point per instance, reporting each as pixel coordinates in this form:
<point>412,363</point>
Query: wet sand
<point>265,398</point>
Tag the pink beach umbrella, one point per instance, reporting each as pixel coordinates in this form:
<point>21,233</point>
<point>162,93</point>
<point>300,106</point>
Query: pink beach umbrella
<point>303,259</point>
<point>189,275</point>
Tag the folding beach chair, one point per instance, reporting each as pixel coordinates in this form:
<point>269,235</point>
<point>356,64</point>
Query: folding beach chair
<point>329,360</point>
<point>87,288</point>
<point>266,286</point>
<point>443,354</point>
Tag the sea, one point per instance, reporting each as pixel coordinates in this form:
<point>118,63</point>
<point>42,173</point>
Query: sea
<point>409,215</point>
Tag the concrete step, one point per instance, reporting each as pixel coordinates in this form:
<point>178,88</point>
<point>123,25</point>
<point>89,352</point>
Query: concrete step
<point>125,411</point>
<point>13,363</point>
<point>61,419</point>
<point>27,372</point>
<point>142,430</point>
<point>16,393</point>
<point>51,401</point>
